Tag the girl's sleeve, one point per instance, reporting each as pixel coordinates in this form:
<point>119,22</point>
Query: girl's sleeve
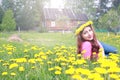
<point>86,49</point>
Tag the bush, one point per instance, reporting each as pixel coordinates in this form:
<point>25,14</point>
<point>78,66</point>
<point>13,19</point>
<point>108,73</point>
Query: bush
<point>8,21</point>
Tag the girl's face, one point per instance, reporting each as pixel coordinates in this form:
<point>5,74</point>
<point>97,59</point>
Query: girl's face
<point>87,33</point>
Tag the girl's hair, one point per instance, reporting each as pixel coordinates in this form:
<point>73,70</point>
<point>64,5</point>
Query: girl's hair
<point>94,43</point>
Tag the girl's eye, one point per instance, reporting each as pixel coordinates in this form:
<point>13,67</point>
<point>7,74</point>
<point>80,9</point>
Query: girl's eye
<point>90,30</point>
<point>85,32</point>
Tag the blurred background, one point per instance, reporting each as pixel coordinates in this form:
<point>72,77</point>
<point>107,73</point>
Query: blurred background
<point>59,15</point>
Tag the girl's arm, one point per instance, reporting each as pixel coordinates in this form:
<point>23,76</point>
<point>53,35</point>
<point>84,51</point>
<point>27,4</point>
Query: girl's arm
<point>86,49</point>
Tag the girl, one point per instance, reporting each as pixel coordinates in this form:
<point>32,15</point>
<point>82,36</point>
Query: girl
<point>87,43</point>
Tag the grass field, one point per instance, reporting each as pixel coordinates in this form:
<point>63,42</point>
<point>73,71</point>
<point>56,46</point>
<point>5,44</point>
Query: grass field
<point>51,56</point>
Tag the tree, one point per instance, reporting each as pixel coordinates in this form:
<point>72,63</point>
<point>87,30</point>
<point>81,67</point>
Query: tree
<point>110,19</point>
<point>8,4</point>
<point>28,13</point>
<point>1,14</point>
<point>116,3</point>
<point>8,21</point>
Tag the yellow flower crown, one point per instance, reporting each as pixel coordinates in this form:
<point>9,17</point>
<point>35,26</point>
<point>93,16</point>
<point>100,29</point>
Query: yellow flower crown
<point>82,27</point>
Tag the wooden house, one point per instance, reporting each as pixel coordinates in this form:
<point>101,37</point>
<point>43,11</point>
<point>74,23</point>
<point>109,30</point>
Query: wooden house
<point>62,19</point>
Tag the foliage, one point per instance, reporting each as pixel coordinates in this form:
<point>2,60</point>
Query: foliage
<point>1,14</point>
<point>8,4</point>
<point>116,3</point>
<point>28,13</point>
<point>110,19</point>
<point>8,21</point>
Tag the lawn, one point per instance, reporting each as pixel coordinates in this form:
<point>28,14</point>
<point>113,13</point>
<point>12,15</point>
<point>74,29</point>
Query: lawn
<point>52,56</point>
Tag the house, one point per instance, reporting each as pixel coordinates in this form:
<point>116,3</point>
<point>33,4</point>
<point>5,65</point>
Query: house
<point>61,19</point>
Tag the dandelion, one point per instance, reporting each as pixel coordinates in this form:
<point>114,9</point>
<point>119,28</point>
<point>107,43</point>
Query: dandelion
<point>50,69</point>
<point>5,64</point>
<point>114,76</point>
<point>79,55</point>
<point>114,69</point>
<point>33,67</point>
<point>4,73</point>
<point>94,53</point>
<point>9,53</point>
<point>1,60</point>
<point>57,72</point>
<point>70,71</point>
<point>95,76</point>
<point>81,61</point>
<point>100,70</point>
<point>21,69</point>
<point>13,65</point>
<point>21,60</point>
<point>63,64</point>
<point>84,51</point>
<point>77,77</point>
<point>44,57</point>
<point>25,51</point>
<point>31,60</point>
<point>34,48</point>
<point>58,68</point>
<point>49,62</point>
<point>12,74</point>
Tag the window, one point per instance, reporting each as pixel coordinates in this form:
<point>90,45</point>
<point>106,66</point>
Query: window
<point>52,23</point>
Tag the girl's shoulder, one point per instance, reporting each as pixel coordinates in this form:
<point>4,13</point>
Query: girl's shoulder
<point>86,43</point>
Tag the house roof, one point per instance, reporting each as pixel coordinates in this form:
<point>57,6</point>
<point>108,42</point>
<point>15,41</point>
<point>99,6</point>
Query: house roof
<point>54,13</point>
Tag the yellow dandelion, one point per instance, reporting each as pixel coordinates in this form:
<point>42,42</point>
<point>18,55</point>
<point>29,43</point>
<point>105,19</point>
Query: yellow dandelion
<point>31,61</point>
<point>9,53</point>
<point>44,57</point>
<point>25,51</point>
<point>77,77</point>
<point>58,68</point>
<point>33,67</point>
<point>57,72</point>
<point>4,73</point>
<point>70,71</point>
<point>13,65</point>
<point>21,60</point>
<point>82,27</point>
<point>94,53</point>
<point>114,76</point>
<point>63,64</point>
<point>1,60</point>
<point>84,51</point>
<point>50,69</point>
<point>12,74</point>
<point>100,70</point>
<point>21,69</point>
<point>6,64</point>
<point>79,55</point>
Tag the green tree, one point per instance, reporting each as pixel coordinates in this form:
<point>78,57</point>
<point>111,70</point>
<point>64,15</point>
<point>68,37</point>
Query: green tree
<point>8,4</point>
<point>8,21</point>
<point>110,19</point>
<point>28,13</point>
<point>1,14</point>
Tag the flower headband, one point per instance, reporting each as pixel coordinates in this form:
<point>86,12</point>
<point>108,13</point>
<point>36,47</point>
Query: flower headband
<point>82,27</point>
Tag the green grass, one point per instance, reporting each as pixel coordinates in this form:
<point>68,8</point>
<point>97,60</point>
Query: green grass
<point>52,39</point>
<point>55,51</point>
<point>44,39</point>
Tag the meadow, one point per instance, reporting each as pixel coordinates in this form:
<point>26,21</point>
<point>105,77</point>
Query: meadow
<point>52,56</point>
